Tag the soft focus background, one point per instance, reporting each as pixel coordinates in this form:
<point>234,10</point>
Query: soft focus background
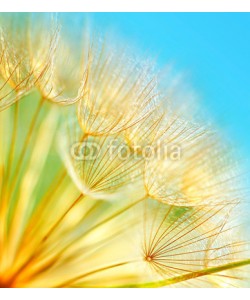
<point>211,51</point>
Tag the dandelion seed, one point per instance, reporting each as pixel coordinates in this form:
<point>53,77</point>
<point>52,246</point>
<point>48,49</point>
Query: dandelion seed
<point>116,95</point>
<point>31,59</point>
<point>180,240</point>
<point>98,165</point>
<point>204,174</point>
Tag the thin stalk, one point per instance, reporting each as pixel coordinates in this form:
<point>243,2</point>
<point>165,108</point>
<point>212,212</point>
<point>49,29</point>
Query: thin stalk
<point>192,275</point>
<point>59,254</point>
<point>53,228</point>
<point>82,276</point>
<point>26,144</point>
<point>44,239</point>
<point>12,145</point>
<point>4,195</point>
<point>115,214</point>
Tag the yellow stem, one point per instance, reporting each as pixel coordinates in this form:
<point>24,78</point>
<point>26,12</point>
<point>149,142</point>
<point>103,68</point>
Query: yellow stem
<point>61,219</point>
<point>4,199</point>
<point>73,280</point>
<point>44,239</point>
<point>116,214</point>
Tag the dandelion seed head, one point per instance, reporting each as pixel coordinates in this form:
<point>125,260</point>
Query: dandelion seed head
<point>88,197</point>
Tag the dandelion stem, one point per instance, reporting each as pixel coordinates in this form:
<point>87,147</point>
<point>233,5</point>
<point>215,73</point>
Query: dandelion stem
<point>12,146</point>
<point>73,280</point>
<point>61,218</point>
<point>4,196</point>
<point>38,248</point>
<point>26,143</point>
<point>36,218</point>
<point>192,275</point>
<point>11,151</point>
<point>108,219</point>
<point>116,214</point>
<point>87,232</point>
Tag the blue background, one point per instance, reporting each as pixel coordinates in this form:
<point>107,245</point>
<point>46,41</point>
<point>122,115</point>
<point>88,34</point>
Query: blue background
<point>211,49</point>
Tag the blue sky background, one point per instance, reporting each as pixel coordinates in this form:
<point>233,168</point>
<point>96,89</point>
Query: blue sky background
<point>212,49</point>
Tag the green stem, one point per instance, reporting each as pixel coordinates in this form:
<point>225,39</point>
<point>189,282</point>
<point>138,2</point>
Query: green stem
<point>192,275</point>
<point>12,145</point>
<point>25,145</point>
